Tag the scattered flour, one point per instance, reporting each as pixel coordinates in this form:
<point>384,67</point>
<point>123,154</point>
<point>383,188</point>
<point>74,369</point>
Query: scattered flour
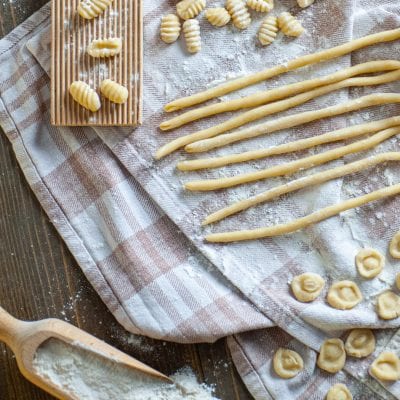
<point>86,375</point>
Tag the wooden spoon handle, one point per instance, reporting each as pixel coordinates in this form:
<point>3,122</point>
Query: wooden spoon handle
<point>9,328</point>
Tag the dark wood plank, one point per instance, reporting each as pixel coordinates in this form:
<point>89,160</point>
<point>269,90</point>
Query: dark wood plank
<point>40,279</point>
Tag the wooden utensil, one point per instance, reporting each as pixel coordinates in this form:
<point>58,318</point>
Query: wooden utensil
<point>24,339</point>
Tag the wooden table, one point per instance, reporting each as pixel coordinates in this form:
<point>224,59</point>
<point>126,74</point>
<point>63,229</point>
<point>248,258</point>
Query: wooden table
<point>40,279</point>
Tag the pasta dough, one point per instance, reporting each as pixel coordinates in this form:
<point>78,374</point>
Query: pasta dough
<point>339,391</point>
<point>268,30</point>
<point>332,356</point>
<point>360,343</point>
<point>301,183</point>
<point>83,94</point>
<point>170,28</point>
<point>261,5</point>
<point>114,91</point>
<point>90,9</point>
<point>290,25</point>
<point>279,93</point>
<point>239,13</point>
<point>301,223</point>
<point>394,247</point>
<point>386,367</point>
<point>287,363</point>
<point>218,16</point>
<point>307,287</point>
<point>191,31</point>
<point>369,263</point>
<point>305,3</point>
<point>188,9</point>
<point>324,55</point>
<point>388,305</point>
<point>103,48</point>
<point>344,295</point>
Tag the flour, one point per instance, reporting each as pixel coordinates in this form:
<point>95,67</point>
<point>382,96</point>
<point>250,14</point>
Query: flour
<point>86,375</point>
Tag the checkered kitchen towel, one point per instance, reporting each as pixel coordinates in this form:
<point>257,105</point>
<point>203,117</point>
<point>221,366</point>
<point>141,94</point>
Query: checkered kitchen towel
<point>136,234</point>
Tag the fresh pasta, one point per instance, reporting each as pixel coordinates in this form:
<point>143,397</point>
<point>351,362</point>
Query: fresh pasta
<point>290,25</point>
<point>83,94</point>
<point>239,13</point>
<point>191,31</point>
<point>268,30</point>
<point>305,3</point>
<point>103,48</point>
<point>114,91</point>
<point>263,6</point>
<point>218,16</point>
<point>170,28</point>
<point>90,9</point>
<point>189,9</point>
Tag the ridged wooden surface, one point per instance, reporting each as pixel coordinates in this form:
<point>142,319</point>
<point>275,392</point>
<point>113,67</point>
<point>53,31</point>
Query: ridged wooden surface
<point>71,34</point>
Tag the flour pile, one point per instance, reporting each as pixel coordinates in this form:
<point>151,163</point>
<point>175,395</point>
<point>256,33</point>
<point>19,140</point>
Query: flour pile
<point>88,376</point>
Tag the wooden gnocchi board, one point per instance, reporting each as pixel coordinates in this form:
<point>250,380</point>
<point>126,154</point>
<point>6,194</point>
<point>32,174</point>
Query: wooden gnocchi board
<point>71,34</point>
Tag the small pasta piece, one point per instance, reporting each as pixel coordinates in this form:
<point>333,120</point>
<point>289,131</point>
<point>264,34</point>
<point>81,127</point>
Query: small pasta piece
<point>191,31</point>
<point>307,287</point>
<point>369,263</point>
<point>398,280</point>
<point>189,9</point>
<point>83,94</point>
<point>290,25</point>
<point>170,28</point>
<point>114,91</point>
<point>344,295</point>
<point>304,3</point>
<point>218,16</point>
<point>332,356</point>
<point>287,363</point>
<point>102,48</point>
<point>388,305</point>
<point>239,13</point>
<point>339,392</point>
<point>90,9</point>
<point>263,6</point>
<point>386,367</point>
<point>394,247</point>
<point>360,343</point>
<point>268,30</point>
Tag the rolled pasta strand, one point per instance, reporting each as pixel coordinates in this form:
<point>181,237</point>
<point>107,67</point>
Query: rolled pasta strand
<point>297,145</point>
<point>260,98</point>
<point>298,184</point>
<point>293,166</point>
<point>300,223</point>
<point>291,121</point>
<point>324,55</point>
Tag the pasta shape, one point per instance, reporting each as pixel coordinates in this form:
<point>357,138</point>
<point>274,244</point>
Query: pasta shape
<point>188,9</point>
<point>290,25</point>
<point>268,30</point>
<point>170,28</point>
<point>83,94</point>
<point>239,13</point>
<point>304,3</point>
<point>101,48</point>
<point>114,91</point>
<point>261,5</point>
<point>90,9</point>
<point>218,16</point>
<point>191,31</point>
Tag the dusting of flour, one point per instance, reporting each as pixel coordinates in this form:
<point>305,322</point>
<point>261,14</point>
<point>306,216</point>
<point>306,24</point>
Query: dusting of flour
<point>86,375</point>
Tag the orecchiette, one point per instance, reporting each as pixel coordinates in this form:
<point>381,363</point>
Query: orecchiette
<point>290,25</point>
<point>332,356</point>
<point>191,31</point>
<point>170,28</point>
<point>268,30</point>
<point>339,392</point>
<point>90,9</point>
<point>388,305</point>
<point>386,367</point>
<point>104,47</point>
<point>360,343</point>
<point>239,13</point>
<point>188,9</point>
<point>83,94</point>
<point>307,287</point>
<point>394,247</point>
<point>369,263</point>
<point>218,16</point>
<point>261,5</point>
<point>344,295</point>
<point>304,3</point>
<point>114,91</point>
<point>287,363</point>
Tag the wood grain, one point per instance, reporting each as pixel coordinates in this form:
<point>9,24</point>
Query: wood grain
<point>40,279</point>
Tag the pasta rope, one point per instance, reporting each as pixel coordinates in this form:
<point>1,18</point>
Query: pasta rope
<point>90,9</point>
<point>333,136</point>
<point>291,121</point>
<point>298,184</point>
<point>300,223</point>
<point>324,55</point>
<point>293,166</point>
<point>279,93</point>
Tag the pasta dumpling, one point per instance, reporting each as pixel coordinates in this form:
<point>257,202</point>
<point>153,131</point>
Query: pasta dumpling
<point>218,16</point>
<point>191,31</point>
<point>83,94</point>
<point>268,30</point>
<point>104,47</point>
<point>170,28</point>
<point>239,13</point>
<point>290,25</point>
<point>261,5</point>
<point>90,9</point>
<point>114,91</point>
<point>188,9</point>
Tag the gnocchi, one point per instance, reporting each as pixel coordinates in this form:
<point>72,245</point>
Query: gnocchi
<point>170,28</point>
<point>83,94</point>
<point>191,31</point>
<point>189,9</point>
<point>290,25</point>
<point>261,5</point>
<point>268,30</point>
<point>239,13</point>
<point>114,91</point>
<point>102,48</point>
<point>218,16</point>
<point>90,9</point>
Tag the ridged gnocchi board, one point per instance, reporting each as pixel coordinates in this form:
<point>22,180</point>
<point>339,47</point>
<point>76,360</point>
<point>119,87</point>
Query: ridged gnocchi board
<point>71,34</point>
